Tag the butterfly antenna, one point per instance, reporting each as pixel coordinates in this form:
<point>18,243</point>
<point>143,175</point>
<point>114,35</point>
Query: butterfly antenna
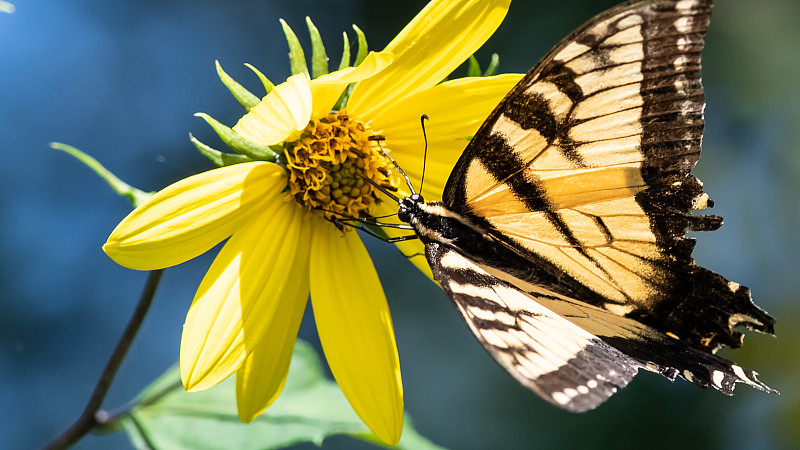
<point>422,120</point>
<point>380,188</point>
<point>379,138</point>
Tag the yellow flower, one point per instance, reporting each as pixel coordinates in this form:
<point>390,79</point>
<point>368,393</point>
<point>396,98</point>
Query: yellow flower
<point>282,243</point>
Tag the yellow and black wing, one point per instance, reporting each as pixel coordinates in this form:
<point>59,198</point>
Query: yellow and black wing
<point>571,353</point>
<point>585,168</point>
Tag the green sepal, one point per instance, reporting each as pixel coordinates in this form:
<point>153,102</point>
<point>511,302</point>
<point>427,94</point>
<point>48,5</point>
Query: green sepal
<point>268,86</point>
<point>493,65</point>
<point>217,157</point>
<point>363,49</point>
<point>473,68</point>
<point>242,95</point>
<point>297,59</point>
<point>239,144</point>
<point>342,102</point>
<point>345,62</point>
<point>136,196</point>
<point>319,59</point>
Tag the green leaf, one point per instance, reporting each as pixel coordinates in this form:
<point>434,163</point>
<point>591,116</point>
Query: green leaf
<point>297,59</point>
<point>217,157</point>
<point>319,59</point>
<point>363,49</point>
<point>341,103</point>
<point>345,62</point>
<point>242,95</point>
<point>136,196</point>
<point>493,65</point>
<point>268,86</point>
<point>473,68</point>
<point>239,144</point>
<point>310,409</point>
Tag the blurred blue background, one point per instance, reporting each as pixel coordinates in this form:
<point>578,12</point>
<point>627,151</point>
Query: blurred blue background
<point>121,80</point>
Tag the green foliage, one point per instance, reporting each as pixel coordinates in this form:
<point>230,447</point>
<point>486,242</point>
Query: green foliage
<point>297,59</point>
<point>363,48</point>
<point>136,196</point>
<point>473,68</point>
<point>239,144</point>
<point>242,95</point>
<point>319,59</point>
<point>345,62</point>
<point>217,157</point>
<point>268,86</point>
<point>494,63</point>
<point>310,409</point>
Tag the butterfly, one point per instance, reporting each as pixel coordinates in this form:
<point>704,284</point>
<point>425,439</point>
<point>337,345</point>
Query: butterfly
<point>561,236</point>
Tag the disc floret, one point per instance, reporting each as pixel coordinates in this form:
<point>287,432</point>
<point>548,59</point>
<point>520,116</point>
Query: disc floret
<point>329,165</point>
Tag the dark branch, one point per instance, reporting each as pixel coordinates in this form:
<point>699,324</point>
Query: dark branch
<point>88,418</point>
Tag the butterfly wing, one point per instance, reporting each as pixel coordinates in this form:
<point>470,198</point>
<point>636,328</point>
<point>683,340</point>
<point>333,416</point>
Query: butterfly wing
<point>585,167</point>
<point>572,354</point>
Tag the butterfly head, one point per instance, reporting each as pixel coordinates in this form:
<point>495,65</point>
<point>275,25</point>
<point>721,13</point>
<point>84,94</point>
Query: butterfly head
<point>409,206</point>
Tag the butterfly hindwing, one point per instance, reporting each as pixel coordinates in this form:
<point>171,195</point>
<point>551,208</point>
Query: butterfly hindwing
<point>585,166</point>
<point>572,354</point>
<point>546,353</point>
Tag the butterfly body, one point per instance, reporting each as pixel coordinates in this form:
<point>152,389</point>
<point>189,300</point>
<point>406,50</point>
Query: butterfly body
<point>561,236</point>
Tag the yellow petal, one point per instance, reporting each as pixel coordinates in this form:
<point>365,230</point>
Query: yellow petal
<point>282,112</point>
<point>260,379</point>
<point>261,266</point>
<point>327,89</point>
<point>412,249</point>
<point>449,125</point>
<point>355,329</point>
<point>432,45</point>
<point>189,217</point>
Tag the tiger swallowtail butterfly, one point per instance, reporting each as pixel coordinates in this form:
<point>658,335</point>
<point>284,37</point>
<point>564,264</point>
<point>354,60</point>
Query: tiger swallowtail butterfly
<point>561,236</point>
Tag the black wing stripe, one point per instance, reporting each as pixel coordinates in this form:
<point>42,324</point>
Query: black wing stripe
<point>546,353</point>
<point>556,346</point>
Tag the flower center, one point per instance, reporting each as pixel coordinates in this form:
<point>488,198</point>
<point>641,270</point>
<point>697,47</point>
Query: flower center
<point>329,165</point>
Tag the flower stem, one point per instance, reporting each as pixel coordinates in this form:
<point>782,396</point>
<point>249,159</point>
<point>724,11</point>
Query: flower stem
<point>88,418</point>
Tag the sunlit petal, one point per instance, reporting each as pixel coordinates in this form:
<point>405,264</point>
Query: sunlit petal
<point>260,379</point>
<point>189,217</point>
<point>355,329</point>
<point>441,36</point>
<point>327,89</point>
<point>448,127</point>
<point>280,114</point>
<point>262,265</point>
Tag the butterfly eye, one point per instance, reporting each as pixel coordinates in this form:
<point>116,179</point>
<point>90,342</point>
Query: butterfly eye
<point>403,215</point>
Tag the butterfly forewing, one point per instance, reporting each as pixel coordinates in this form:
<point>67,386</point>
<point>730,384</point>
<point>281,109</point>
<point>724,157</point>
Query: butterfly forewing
<point>586,166</point>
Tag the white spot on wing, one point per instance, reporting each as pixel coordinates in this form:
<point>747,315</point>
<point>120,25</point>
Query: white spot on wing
<point>717,378</point>
<point>683,25</point>
<point>685,5</point>
<point>561,398</point>
<point>739,372</point>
